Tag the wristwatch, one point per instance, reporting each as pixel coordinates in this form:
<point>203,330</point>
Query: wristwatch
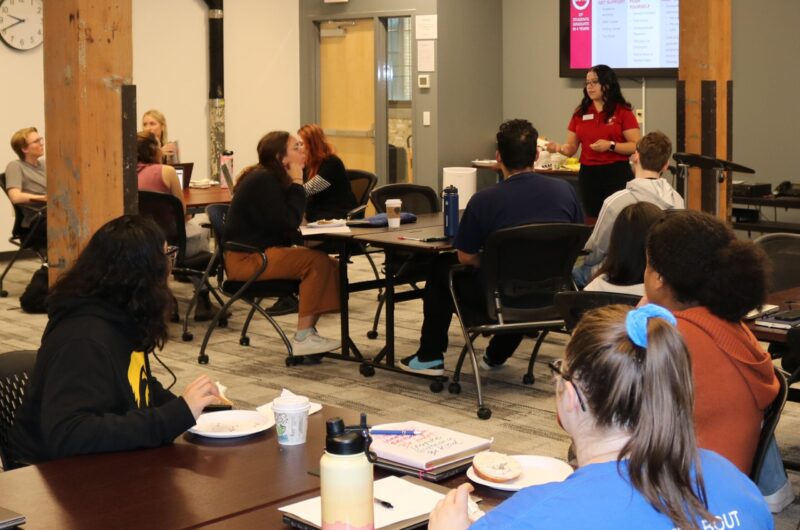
<point>613,146</point>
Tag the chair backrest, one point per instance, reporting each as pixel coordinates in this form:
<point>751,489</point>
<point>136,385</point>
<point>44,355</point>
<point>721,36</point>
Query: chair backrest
<point>771,417</point>
<point>416,199</point>
<point>572,305</point>
<point>217,213</point>
<point>362,183</point>
<point>784,253</point>
<point>525,266</point>
<point>167,211</point>
<point>16,368</point>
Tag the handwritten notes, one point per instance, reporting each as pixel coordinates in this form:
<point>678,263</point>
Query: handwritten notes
<point>431,447</point>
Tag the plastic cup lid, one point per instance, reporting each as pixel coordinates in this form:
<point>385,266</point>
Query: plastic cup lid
<point>290,403</point>
<point>394,202</point>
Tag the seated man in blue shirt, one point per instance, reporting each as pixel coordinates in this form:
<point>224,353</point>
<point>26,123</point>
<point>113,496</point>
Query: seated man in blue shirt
<point>522,197</point>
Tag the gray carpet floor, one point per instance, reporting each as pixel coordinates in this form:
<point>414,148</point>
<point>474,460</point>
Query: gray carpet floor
<point>523,418</point>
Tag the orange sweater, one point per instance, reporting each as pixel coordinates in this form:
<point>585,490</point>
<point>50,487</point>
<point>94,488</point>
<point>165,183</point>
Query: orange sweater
<point>734,382</point>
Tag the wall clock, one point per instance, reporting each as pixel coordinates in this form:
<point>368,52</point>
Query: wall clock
<point>21,23</point>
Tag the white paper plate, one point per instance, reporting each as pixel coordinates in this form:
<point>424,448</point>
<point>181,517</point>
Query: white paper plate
<point>329,224</point>
<point>266,410</point>
<point>232,423</point>
<point>535,470</point>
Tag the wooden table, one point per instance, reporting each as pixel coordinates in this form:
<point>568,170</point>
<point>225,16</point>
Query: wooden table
<point>786,299</point>
<point>235,483</point>
<point>198,198</point>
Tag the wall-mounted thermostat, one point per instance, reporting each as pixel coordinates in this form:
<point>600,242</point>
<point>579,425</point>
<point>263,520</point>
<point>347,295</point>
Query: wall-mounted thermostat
<point>424,81</point>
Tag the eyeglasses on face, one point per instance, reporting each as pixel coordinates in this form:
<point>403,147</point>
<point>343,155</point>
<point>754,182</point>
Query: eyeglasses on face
<point>555,367</point>
<point>39,141</point>
<point>592,83</point>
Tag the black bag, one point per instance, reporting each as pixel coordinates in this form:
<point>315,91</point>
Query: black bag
<point>35,295</point>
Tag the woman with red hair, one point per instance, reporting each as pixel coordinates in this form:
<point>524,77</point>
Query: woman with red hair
<point>326,183</point>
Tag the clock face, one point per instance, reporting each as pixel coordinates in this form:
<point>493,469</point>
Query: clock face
<point>21,23</point>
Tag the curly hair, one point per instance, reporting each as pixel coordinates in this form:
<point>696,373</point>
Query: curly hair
<point>702,262</point>
<point>124,264</point>
<point>612,92</point>
<point>516,143</point>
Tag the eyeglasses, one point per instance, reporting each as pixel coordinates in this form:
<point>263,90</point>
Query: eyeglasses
<point>172,254</point>
<point>592,83</point>
<point>39,141</point>
<point>555,367</point>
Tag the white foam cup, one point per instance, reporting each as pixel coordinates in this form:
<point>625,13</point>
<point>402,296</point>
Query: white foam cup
<point>393,207</point>
<point>291,419</point>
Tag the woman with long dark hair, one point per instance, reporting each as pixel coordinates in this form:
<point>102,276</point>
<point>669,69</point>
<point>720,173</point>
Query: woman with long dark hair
<point>91,390</point>
<point>710,280</point>
<point>605,128</point>
<point>624,395</point>
<point>326,183</point>
<point>622,270</point>
<point>266,211</point>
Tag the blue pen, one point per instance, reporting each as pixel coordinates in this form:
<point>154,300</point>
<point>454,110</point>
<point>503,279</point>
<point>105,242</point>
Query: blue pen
<point>394,432</point>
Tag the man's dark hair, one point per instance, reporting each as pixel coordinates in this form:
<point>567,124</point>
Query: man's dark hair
<point>516,143</point>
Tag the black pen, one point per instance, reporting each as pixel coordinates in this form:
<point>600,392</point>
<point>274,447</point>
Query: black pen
<point>385,504</point>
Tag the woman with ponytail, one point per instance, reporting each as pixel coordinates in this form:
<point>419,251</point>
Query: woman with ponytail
<point>624,395</point>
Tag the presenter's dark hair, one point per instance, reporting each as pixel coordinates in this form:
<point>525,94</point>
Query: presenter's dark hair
<point>516,143</point>
<point>147,148</point>
<point>625,262</point>
<point>612,92</point>
<point>124,265</point>
<point>271,150</point>
<point>702,262</point>
<point>648,393</point>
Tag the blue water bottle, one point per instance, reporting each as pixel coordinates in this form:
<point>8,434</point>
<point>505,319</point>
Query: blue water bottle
<point>450,210</point>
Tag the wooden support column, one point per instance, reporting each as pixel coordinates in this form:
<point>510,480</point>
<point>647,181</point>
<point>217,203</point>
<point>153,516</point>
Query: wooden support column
<point>87,60</point>
<point>705,97</point>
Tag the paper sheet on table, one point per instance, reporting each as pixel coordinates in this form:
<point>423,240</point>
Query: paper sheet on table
<point>409,501</point>
<point>307,230</point>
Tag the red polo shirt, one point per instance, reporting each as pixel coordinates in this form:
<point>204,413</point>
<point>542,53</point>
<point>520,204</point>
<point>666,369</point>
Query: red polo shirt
<point>593,126</point>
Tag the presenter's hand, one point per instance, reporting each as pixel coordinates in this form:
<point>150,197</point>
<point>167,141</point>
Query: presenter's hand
<point>450,513</point>
<point>601,146</point>
<point>553,147</point>
<point>296,172</point>
<point>199,394</point>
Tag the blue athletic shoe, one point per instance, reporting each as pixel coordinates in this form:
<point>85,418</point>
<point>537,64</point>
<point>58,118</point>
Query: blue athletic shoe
<point>415,366</point>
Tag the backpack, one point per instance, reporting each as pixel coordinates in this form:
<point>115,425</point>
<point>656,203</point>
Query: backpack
<point>33,300</point>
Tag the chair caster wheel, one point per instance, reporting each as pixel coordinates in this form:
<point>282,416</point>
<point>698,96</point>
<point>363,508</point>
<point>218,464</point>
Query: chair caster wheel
<point>372,334</point>
<point>527,379</point>
<point>187,337</point>
<point>367,370</point>
<point>293,361</point>
<point>223,323</point>
<point>3,293</point>
<point>202,359</point>
<point>175,318</point>
<point>244,341</point>
<point>437,387</point>
<point>484,413</point>
<point>454,388</point>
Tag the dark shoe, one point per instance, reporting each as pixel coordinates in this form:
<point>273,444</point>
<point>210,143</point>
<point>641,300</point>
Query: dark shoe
<point>487,364</point>
<point>414,365</point>
<point>205,310</point>
<point>285,305</point>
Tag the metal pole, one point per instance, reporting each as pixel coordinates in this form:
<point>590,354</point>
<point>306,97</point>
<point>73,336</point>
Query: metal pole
<point>216,87</point>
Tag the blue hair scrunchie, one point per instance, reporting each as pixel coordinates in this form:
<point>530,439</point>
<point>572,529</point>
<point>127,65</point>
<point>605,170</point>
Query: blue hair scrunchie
<point>636,322</point>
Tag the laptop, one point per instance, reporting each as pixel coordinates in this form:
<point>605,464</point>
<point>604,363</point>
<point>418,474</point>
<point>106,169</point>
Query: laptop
<point>226,174</point>
<point>184,172</point>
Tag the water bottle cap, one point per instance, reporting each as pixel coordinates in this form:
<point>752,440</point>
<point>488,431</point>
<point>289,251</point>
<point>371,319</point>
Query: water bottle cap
<point>451,189</point>
<point>348,443</point>
<point>227,153</point>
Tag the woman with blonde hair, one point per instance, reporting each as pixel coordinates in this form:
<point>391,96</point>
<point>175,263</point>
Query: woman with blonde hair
<point>624,395</point>
<point>154,121</point>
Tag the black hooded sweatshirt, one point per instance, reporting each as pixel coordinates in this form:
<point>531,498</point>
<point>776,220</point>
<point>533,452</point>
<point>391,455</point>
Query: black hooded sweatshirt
<point>91,390</point>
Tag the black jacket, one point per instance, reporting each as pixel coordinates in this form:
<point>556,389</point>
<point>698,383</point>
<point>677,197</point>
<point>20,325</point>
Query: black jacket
<point>91,390</point>
<point>335,201</point>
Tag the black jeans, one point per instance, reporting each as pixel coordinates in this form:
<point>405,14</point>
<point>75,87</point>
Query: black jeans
<point>437,308</point>
<point>598,182</point>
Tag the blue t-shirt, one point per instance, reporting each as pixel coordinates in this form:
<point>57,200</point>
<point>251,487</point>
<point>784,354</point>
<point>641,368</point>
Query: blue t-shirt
<point>524,198</point>
<point>596,497</point>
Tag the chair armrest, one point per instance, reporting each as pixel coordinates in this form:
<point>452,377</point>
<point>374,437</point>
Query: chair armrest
<point>240,247</point>
<point>356,213</point>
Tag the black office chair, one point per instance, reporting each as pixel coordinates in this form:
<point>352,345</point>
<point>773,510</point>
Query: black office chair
<point>523,268</point>
<point>24,238</point>
<point>784,254</point>
<point>362,183</point>
<point>250,291</point>
<point>16,368</point>
<point>409,268</point>
<point>167,211</point>
<point>572,305</point>
<point>771,417</point>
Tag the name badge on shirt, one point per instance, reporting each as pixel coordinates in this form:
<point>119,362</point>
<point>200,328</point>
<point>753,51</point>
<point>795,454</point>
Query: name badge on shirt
<point>587,117</point>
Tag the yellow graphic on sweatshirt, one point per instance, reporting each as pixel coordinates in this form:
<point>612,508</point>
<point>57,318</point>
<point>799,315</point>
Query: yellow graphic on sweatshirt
<point>137,378</point>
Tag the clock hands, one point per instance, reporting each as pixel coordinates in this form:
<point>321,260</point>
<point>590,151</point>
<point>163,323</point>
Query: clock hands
<point>16,18</point>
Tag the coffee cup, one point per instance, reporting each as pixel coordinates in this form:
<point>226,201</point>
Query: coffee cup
<point>291,419</point>
<point>393,212</point>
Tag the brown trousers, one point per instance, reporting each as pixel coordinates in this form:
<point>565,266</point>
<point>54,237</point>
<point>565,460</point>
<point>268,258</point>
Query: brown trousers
<point>318,274</point>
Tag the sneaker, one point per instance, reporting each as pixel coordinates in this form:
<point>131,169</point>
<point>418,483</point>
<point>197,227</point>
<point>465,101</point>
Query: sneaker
<point>781,498</point>
<point>285,305</point>
<point>415,366</point>
<point>486,364</point>
<point>313,343</point>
